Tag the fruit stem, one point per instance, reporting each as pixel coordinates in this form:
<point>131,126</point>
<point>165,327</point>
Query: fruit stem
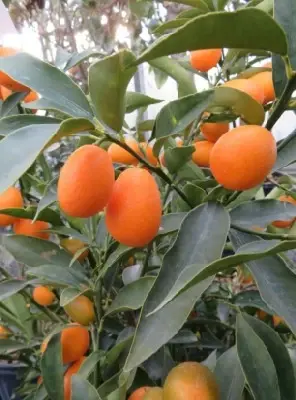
<point>281,103</point>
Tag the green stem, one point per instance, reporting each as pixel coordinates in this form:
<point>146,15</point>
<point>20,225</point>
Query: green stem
<point>94,340</point>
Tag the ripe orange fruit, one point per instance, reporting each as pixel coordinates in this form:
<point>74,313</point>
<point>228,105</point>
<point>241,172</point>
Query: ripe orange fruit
<point>86,182</point>
<point>148,153</point>
<point>242,157</point>
<point>73,245</point>
<point>204,60</point>
<point>4,332</point>
<point>121,156</point>
<point>213,130</point>
<point>190,380</point>
<point>43,296</point>
<point>265,82</point>
<point>285,224</point>
<point>29,228</point>
<point>6,80</point>
<point>139,393</point>
<point>68,377</point>
<point>10,198</point>
<point>261,315</point>
<point>277,320</point>
<point>248,86</point>
<point>74,341</point>
<point>31,96</point>
<point>201,155</point>
<point>155,393</point>
<point>81,310</point>
<point>133,213</point>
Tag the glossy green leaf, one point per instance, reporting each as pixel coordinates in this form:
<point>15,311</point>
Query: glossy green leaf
<point>134,100</point>
<point>194,194</point>
<point>60,276</point>
<point>64,230</point>
<point>276,283</point>
<point>176,157</point>
<point>82,389</point>
<point>90,363</point>
<point>132,296</point>
<point>171,24</point>
<point>251,298</point>
<point>10,287</point>
<point>48,199</point>
<point>215,30</point>
<point>286,152</point>
<point>17,304</point>
<point>52,368</point>
<point>279,354</point>
<point>69,294</point>
<point>14,122</point>
<point>173,69</point>
<point>10,318</point>
<point>178,114</point>
<point>205,224</point>
<point>78,58</point>
<point>256,362</point>
<point>171,223</point>
<point>49,82</point>
<point>108,80</point>
<point>261,213</point>
<point>145,125</point>
<point>113,354</point>
<point>229,375</point>
<point>47,215</point>
<point>45,104</point>
<point>190,172</point>
<point>10,104</point>
<point>116,256</point>
<point>8,346</point>
<point>201,4</point>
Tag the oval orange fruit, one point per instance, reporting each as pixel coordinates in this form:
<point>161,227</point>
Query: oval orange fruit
<point>4,332</point>
<point>29,228</point>
<point>148,153</point>
<point>133,213</point>
<point>10,198</point>
<point>212,131</point>
<point>81,310</point>
<point>252,88</point>
<point>86,182</point>
<point>190,380</point>
<point>201,155</point>
<point>242,158</point>
<point>204,60</point>
<point>43,296</point>
<point>139,393</point>
<point>122,156</point>
<point>68,377</point>
<point>73,245</point>
<point>264,80</point>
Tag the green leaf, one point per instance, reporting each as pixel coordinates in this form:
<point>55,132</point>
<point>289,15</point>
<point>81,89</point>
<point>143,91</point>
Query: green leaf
<point>283,14</point>
<point>229,375</point>
<point>48,81</point>
<point>46,215</point>
<point>134,100</point>
<point>113,354</point>
<point>146,125</point>
<point>194,194</point>
<point>132,296</point>
<point>68,295</point>
<point>117,255</point>
<point>215,30</point>
<point>52,368</point>
<point>90,363</point>
<point>286,152</point>
<point>171,223</point>
<point>17,304</point>
<point>261,213</point>
<point>14,122</point>
<point>279,354</point>
<point>171,24</point>
<point>276,283</point>
<point>108,80</point>
<point>82,389</point>
<point>173,69</point>
<point>35,252</point>
<point>256,362</point>
<point>60,275</point>
<point>178,114</point>
<point>10,287</point>
<point>251,298</point>
<point>204,5</point>
<point>205,224</point>
<point>220,4</point>
<point>47,200</point>
<point>176,157</point>
<point>9,105</point>
<point>10,318</point>
<point>8,346</point>
<point>64,230</point>
<point>78,58</point>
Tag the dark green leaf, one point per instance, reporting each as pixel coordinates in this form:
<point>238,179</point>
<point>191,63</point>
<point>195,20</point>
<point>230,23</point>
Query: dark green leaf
<point>48,81</point>
<point>46,215</point>
<point>261,213</point>
<point>176,157</point>
<point>194,194</point>
<point>17,304</point>
<point>120,252</point>
<point>173,69</point>
<point>8,346</point>
<point>178,114</point>
<point>215,30</point>
<point>256,362</point>
<point>171,24</point>
<point>171,223</point>
<point>82,389</point>
<point>204,5</point>
<point>14,122</point>
<point>90,363</point>
<point>108,80</point>
<point>201,239</point>
<point>251,298</point>
<point>64,230</point>
<point>52,368</point>
<point>229,375</point>
<point>286,152</point>
<point>220,4</point>
<point>68,295</point>
<point>184,336</point>
<point>113,354</point>
<point>10,287</point>
<point>9,105</point>
<point>279,354</point>
<point>276,283</point>
<point>47,200</point>
<point>78,58</point>
<point>132,296</point>
<point>146,125</point>
<point>134,100</point>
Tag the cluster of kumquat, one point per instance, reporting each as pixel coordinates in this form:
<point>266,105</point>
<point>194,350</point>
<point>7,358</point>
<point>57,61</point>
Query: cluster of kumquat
<point>189,380</point>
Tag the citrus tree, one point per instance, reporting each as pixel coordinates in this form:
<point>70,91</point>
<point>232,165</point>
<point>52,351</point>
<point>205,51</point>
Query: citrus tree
<point>160,268</point>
